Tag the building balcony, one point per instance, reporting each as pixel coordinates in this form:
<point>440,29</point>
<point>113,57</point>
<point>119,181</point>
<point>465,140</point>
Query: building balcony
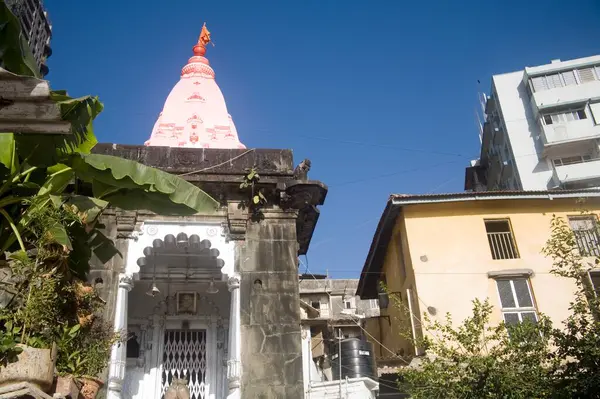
<point>578,172</point>
<point>561,133</point>
<point>567,95</point>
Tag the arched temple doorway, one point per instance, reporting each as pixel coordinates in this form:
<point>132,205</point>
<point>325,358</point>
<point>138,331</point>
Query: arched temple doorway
<point>176,302</point>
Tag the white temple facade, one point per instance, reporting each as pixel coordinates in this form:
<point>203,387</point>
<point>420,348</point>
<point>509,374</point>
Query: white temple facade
<point>178,300</point>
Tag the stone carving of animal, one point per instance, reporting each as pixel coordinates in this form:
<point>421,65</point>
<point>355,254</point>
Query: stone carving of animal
<point>301,171</point>
<point>178,389</point>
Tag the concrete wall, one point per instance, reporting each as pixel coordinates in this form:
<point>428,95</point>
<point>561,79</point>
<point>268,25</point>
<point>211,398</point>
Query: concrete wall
<point>523,131</point>
<point>447,256</point>
<point>334,292</point>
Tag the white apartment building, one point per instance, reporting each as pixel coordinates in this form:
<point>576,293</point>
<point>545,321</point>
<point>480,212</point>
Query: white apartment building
<point>541,129</point>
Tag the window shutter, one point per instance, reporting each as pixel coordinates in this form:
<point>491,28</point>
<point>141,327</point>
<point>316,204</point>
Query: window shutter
<point>595,108</point>
<point>569,78</point>
<point>586,75</point>
<point>539,83</point>
<point>553,81</point>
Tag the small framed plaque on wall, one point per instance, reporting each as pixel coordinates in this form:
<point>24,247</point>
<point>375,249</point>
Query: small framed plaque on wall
<point>186,302</point>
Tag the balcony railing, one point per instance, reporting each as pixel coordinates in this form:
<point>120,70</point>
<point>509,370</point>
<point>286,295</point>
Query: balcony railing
<point>565,95</point>
<point>502,245</point>
<point>576,172</point>
<point>560,133</point>
<point>588,242</point>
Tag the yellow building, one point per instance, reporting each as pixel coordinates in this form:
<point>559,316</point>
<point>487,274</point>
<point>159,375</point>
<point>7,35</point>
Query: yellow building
<point>437,253</point>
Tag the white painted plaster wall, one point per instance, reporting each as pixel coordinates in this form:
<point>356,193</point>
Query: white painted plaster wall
<point>353,388</point>
<point>523,131</point>
<point>151,231</point>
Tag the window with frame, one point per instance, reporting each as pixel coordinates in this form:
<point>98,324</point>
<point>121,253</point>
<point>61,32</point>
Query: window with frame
<point>316,304</point>
<point>586,233</point>
<point>349,303</point>
<point>564,116</point>
<point>500,239</point>
<point>516,300</point>
<point>571,160</point>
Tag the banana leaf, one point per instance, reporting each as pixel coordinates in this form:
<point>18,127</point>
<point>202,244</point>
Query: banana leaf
<point>130,185</point>
<point>15,54</point>
<point>9,161</point>
<point>38,148</point>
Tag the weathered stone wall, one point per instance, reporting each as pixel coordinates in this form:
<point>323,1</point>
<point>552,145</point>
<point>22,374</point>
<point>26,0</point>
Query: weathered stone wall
<point>270,315</point>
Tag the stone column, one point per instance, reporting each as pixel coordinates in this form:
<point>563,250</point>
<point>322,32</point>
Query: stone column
<point>118,356</point>
<point>234,366</point>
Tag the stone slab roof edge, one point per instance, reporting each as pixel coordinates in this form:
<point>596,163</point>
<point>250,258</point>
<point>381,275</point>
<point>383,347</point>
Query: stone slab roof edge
<point>367,286</point>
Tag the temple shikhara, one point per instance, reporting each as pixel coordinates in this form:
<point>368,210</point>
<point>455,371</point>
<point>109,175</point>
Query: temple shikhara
<point>195,114</point>
<point>210,301</point>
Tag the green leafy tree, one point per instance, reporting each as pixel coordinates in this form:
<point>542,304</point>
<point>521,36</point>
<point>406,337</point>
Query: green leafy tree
<point>477,360</point>
<point>577,354</point>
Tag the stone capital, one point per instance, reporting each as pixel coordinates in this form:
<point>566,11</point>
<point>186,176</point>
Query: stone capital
<point>233,282</point>
<point>125,281</point>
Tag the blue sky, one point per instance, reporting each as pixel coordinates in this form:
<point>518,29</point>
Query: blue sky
<point>380,95</point>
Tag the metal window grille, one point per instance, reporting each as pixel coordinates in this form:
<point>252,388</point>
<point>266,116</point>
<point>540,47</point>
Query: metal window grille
<point>500,239</point>
<point>586,235</point>
<point>185,357</point>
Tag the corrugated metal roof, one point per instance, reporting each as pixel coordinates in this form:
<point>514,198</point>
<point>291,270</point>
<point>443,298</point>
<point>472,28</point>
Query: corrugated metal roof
<point>483,195</point>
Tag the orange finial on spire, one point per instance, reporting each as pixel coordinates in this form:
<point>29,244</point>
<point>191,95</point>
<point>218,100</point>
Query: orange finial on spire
<point>203,40</point>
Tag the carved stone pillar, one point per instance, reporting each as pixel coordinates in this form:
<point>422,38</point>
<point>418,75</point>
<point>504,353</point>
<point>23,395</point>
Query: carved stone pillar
<point>141,362</point>
<point>118,356</point>
<point>234,366</point>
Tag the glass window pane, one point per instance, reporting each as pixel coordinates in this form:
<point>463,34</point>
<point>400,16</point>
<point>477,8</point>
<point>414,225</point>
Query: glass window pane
<point>511,318</point>
<point>569,116</point>
<point>506,295</point>
<point>529,316</point>
<point>522,292</point>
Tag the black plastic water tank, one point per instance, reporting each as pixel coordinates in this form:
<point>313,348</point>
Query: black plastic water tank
<point>357,359</point>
